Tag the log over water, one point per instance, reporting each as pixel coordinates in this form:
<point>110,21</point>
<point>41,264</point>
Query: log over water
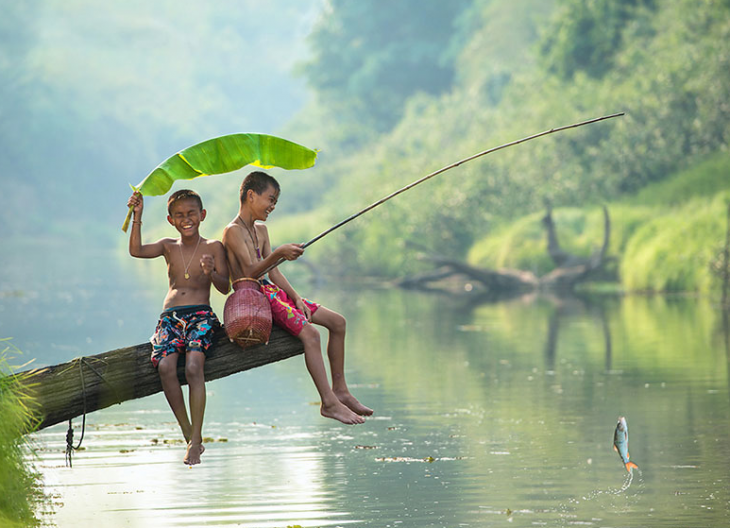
<point>91,383</point>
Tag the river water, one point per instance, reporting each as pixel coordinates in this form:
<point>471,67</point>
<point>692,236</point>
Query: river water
<point>487,414</point>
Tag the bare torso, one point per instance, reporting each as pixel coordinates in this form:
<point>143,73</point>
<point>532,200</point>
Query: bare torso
<point>188,284</point>
<point>241,248</point>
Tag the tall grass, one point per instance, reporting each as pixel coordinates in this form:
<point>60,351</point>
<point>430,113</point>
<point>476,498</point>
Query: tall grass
<point>20,491</point>
<point>675,251</point>
<point>665,238</point>
<point>523,243</point>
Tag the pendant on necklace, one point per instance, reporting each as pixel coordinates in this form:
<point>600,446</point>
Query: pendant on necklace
<point>187,275</point>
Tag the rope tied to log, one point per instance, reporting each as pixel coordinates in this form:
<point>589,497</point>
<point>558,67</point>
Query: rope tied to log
<point>70,448</point>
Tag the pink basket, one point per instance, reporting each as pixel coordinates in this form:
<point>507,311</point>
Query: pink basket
<point>247,314</point>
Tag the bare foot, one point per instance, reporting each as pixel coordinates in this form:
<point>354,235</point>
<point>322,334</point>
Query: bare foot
<point>354,405</point>
<point>192,456</point>
<point>338,411</point>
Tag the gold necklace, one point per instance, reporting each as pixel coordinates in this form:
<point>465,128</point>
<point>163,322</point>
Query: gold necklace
<point>254,237</point>
<point>187,266</point>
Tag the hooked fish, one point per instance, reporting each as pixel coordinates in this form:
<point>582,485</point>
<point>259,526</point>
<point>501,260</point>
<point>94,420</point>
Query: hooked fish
<point>621,443</point>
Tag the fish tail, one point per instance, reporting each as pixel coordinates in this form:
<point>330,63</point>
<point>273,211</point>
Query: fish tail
<point>630,466</point>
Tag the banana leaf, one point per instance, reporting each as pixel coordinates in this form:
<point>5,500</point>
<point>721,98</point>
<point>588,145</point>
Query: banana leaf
<point>221,155</point>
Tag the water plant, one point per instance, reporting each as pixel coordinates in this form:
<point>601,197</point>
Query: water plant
<point>20,491</point>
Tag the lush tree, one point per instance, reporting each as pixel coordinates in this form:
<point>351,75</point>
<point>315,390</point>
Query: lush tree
<point>586,35</point>
<point>369,57</point>
<point>669,72</point>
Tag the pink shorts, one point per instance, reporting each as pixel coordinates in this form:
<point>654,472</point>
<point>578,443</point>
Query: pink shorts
<point>283,310</point>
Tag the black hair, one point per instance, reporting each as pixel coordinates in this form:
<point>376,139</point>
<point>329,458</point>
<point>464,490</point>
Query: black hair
<point>183,194</point>
<point>258,182</point>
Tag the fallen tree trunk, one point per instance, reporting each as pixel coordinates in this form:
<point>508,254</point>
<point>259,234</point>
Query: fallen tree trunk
<point>501,283</point>
<point>90,383</point>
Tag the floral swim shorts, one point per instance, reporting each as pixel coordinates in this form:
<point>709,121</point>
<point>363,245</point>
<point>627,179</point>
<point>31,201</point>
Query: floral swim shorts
<point>183,328</point>
<point>283,310</point>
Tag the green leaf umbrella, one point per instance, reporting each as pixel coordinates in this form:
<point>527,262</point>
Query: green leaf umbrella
<point>221,155</point>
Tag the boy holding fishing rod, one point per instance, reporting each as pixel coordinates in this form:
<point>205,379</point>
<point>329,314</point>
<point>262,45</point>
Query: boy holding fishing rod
<point>187,323</point>
<point>249,255</point>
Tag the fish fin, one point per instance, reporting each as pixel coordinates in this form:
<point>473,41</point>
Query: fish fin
<point>630,466</point>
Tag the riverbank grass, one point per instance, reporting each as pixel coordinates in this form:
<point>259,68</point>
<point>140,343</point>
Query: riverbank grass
<point>20,489</point>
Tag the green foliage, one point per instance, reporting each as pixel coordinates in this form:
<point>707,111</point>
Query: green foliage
<point>497,40</point>
<point>522,244</point>
<point>668,68</point>
<point>94,96</point>
<point>519,245</point>
<point>19,490</point>
<point>586,35</point>
<point>675,251</point>
<point>673,244</point>
<point>369,57</point>
<point>223,155</point>
<point>710,175</point>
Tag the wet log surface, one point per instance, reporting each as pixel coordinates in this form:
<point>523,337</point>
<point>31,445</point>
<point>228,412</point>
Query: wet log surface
<point>91,383</point>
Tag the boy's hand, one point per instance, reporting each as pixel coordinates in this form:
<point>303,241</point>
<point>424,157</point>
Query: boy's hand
<point>290,251</point>
<point>137,202</point>
<point>299,303</point>
<point>207,263</point>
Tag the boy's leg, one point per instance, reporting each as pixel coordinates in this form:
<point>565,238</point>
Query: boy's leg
<point>332,407</point>
<point>336,325</point>
<point>194,362</point>
<point>167,368</point>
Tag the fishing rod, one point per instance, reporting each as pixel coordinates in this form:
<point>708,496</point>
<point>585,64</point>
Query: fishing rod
<point>442,170</point>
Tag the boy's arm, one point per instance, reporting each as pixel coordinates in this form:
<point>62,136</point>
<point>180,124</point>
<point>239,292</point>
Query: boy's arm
<point>239,257</point>
<point>278,278</point>
<point>215,266</point>
<point>136,248</point>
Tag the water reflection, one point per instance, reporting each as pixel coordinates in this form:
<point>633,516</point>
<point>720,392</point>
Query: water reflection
<point>489,414</point>
<point>726,338</point>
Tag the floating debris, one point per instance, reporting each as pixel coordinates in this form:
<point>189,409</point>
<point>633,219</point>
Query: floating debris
<point>428,459</point>
<point>365,447</point>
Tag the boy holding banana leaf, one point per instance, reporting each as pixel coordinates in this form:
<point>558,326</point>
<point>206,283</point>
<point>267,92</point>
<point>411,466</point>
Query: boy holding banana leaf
<point>249,254</point>
<point>187,323</point>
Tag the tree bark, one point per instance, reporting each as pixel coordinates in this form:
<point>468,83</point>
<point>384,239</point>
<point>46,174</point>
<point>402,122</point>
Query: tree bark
<point>570,269</point>
<point>90,383</point>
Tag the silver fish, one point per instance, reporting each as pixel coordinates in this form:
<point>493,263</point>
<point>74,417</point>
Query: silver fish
<point>621,443</point>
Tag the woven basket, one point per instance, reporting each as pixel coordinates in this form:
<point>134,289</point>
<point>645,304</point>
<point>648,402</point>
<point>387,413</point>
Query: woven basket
<point>247,314</point>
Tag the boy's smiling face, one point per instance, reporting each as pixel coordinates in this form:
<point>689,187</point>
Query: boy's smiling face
<point>263,204</point>
<point>185,216</point>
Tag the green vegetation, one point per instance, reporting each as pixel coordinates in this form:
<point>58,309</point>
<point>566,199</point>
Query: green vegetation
<point>94,97</point>
<point>397,90</point>
<point>368,59</point>
<point>19,484</point>
<point>668,237</point>
<point>666,64</point>
<point>223,155</point>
